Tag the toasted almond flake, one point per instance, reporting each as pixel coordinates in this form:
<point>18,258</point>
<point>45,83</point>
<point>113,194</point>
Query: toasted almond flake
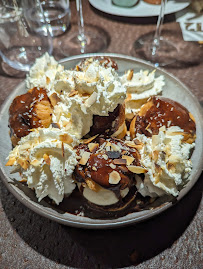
<point>132,128</point>
<point>157,180</point>
<point>137,169</point>
<point>47,159</point>
<point>114,147</point>
<point>11,161</point>
<point>84,158</point>
<point>175,133</point>
<point>174,159</point>
<point>144,108</point>
<point>114,177</point>
<point>131,144</point>
<point>91,184</point>
<point>105,157</point>
<point>23,163</point>
<point>130,74</point>
<point>62,147</point>
<point>128,159</point>
<point>171,167</point>
<point>35,163</point>
<point>108,144</point>
<point>91,100</point>
<point>162,128</point>
<point>54,99</point>
<point>72,93</point>
<point>88,140</point>
<point>148,126</point>
<point>113,166</point>
<point>66,138</point>
<point>129,97</point>
<point>77,68</point>
<point>121,132</point>
<point>155,155</point>
<point>93,146</point>
<point>192,117</point>
<point>94,168</point>
<point>48,80</point>
<point>119,161</point>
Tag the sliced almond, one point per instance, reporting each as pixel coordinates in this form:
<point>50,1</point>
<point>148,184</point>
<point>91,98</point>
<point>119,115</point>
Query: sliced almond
<point>66,138</point>
<point>162,128</point>
<point>35,163</point>
<point>129,97</point>
<point>155,155</point>
<point>113,166</point>
<point>88,140</point>
<point>157,179</point>
<point>62,147</point>
<point>137,169</point>
<point>93,146</point>
<point>132,128</point>
<point>72,93</point>
<point>108,144</point>
<point>105,157</point>
<point>91,184</point>
<point>54,99</point>
<point>94,168</point>
<point>128,159</point>
<point>115,147</point>
<point>171,167</point>
<point>114,177</point>
<point>48,80</point>
<point>130,74</point>
<point>120,161</point>
<point>11,161</point>
<point>91,100</point>
<point>84,158</point>
<point>47,159</point>
<point>23,163</point>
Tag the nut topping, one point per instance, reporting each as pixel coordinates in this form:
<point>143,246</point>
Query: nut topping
<point>84,158</point>
<point>114,177</point>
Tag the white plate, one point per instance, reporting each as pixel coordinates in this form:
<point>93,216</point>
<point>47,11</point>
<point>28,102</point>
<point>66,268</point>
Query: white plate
<point>141,9</point>
<point>173,89</point>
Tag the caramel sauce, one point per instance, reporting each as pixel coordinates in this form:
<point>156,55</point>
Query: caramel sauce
<point>23,116</point>
<point>164,112</point>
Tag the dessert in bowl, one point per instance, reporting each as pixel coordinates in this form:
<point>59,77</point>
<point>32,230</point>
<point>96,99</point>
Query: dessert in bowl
<point>84,154</point>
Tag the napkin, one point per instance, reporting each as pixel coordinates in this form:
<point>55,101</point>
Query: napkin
<point>191,24</point>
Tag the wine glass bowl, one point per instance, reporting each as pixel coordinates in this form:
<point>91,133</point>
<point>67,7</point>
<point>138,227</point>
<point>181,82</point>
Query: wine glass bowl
<point>153,47</point>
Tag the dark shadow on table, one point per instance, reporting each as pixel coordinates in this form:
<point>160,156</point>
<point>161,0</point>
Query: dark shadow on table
<point>82,248</point>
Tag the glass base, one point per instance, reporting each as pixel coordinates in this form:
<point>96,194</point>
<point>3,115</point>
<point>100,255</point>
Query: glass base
<point>160,53</point>
<point>22,58</point>
<point>96,40</point>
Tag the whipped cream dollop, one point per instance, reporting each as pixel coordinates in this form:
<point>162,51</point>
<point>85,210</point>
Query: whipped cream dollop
<point>140,86</point>
<point>46,160</point>
<point>167,158</point>
<point>80,94</point>
<point>43,72</point>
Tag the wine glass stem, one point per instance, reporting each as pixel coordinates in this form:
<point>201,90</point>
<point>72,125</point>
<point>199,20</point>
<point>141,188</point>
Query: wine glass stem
<point>157,35</point>
<point>81,27</point>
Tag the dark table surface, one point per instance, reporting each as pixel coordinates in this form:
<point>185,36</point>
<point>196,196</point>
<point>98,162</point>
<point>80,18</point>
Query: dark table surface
<point>173,239</point>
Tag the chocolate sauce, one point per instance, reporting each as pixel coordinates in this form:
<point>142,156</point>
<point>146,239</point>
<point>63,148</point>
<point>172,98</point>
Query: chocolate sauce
<point>103,162</point>
<point>76,204</point>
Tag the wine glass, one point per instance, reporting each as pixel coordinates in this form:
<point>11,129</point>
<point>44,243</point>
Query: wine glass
<point>153,47</point>
<point>83,38</point>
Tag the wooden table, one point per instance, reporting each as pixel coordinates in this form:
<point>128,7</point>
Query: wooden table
<point>173,239</point>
